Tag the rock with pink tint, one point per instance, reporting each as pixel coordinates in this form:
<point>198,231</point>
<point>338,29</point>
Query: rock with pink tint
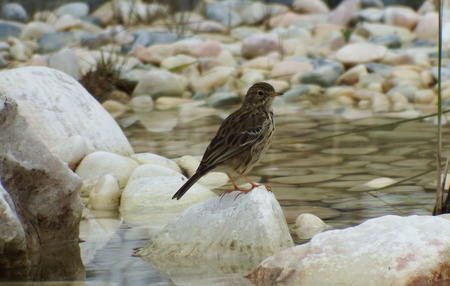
<point>401,16</point>
<point>310,6</point>
<point>427,28</point>
<point>285,69</point>
<point>342,14</point>
<point>360,53</point>
<point>389,250</point>
<point>206,49</point>
<point>259,45</point>
<point>290,18</point>
<point>154,54</point>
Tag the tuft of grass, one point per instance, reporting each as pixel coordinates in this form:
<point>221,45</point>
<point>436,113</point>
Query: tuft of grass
<point>104,78</point>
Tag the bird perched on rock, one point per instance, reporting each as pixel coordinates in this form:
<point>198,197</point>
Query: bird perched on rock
<point>241,139</point>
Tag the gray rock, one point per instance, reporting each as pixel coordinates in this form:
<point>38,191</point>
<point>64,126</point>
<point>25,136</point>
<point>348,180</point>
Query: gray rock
<point>372,3</point>
<point>148,37</point>
<point>223,13</point>
<point>326,73</point>
<point>301,90</point>
<point>42,188</point>
<point>391,41</point>
<point>9,30</point>
<point>378,68</point>
<point>372,15</point>
<point>75,9</point>
<point>52,42</point>
<point>255,13</point>
<point>65,61</point>
<point>219,99</point>
<point>14,12</point>
<point>4,59</point>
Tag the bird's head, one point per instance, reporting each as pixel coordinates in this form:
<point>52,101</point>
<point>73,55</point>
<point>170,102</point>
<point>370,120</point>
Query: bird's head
<point>260,94</point>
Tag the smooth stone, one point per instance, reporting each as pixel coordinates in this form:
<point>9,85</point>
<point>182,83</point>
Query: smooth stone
<point>324,75</point>
<point>230,237</point>
<point>377,30</point>
<point>310,6</point>
<point>208,48</point>
<point>98,164</point>
<point>291,212</point>
<point>308,225</point>
<point>342,14</point>
<point>220,99</point>
<point>114,107</point>
<point>75,9</point>
<point>357,53</point>
<point>223,13</point>
<point>57,107</point>
<point>151,170</point>
<point>106,194</point>
<point>72,150</point>
<point>380,103</point>
<point>150,158</point>
<point>168,103</point>
<point>8,29</point>
<point>401,16</point>
<point>285,69</point>
<point>427,28</point>
<point>425,96</point>
<point>301,91</point>
<point>158,121</point>
<point>214,78</point>
<point>371,15</point>
<point>141,103</point>
<point>391,41</point>
<point>352,75</point>
<point>154,54</point>
<point>14,12</point>
<point>147,200</point>
<point>66,61</point>
<point>208,26</point>
<point>158,83</point>
<point>189,165</point>
<point>34,184</point>
<point>51,42</point>
<point>177,63</point>
<point>380,182</point>
<point>255,13</point>
<point>34,30</point>
<point>400,240</point>
<point>372,3</point>
<point>144,37</point>
<point>19,51</point>
<point>260,45</point>
<point>305,179</point>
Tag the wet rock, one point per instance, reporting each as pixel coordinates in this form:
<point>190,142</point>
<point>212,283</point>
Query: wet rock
<point>401,16</point>
<point>393,255</point>
<point>313,7</point>
<point>51,42</point>
<point>230,238</point>
<point>106,194</point>
<point>147,200</point>
<point>427,28</point>
<point>223,13</point>
<point>98,164</point>
<point>342,14</point>
<point>158,83</point>
<point>308,225</point>
<point>36,189</point>
<point>150,158</point>
<point>259,45</point>
<point>219,99</point>
<point>75,9</point>
<point>358,53</point>
<point>14,12</point>
<point>9,30</point>
<point>60,108</point>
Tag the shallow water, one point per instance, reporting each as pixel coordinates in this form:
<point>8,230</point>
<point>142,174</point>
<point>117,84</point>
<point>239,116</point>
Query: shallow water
<point>307,173</point>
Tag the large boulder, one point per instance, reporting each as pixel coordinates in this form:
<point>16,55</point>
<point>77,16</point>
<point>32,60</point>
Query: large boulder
<point>58,108</point>
<point>231,232</point>
<point>389,250</point>
<point>38,196</point>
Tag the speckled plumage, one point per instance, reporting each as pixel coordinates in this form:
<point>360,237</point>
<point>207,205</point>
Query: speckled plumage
<point>242,137</point>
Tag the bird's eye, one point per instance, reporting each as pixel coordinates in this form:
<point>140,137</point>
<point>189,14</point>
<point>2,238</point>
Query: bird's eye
<point>260,93</point>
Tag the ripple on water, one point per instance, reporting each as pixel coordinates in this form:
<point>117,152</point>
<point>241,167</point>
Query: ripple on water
<point>351,151</point>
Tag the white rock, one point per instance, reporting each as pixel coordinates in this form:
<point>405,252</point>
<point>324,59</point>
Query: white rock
<point>189,165</point>
<point>57,107</point>
<point>177,62</point>
<point>150,158</point>
<point>151,170</point>
<point>310,6</point>
<point>259,45</point>
<point>34,30</point>
<point>213,78</point>
<point>380,182</point>
<point>65,60</point>
<point>147,200</point>
<point>388,250</point>
<point>142,103</point>
<point>358,53</point>
<point>308,225</point>
<point>252,225</point>
<point>106,194</point>
<point>98,164</point>
<point>380,102</point>
<point>114,107</point>
<point>72,151</point>
<point>160,83</point>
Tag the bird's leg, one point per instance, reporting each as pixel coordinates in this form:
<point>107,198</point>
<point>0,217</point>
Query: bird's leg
<point>254,185</point>
<point>235,187</point>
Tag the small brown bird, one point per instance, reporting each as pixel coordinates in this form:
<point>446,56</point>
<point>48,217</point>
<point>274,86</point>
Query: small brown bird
<point>241,139</point>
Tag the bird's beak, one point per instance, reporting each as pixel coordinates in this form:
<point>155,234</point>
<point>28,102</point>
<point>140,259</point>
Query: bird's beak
<point>276,94</point>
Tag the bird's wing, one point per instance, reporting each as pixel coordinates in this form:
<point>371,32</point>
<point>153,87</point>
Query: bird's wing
<point>237,134</point>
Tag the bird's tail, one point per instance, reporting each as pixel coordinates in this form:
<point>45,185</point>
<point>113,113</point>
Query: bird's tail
<point>192,180</point>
